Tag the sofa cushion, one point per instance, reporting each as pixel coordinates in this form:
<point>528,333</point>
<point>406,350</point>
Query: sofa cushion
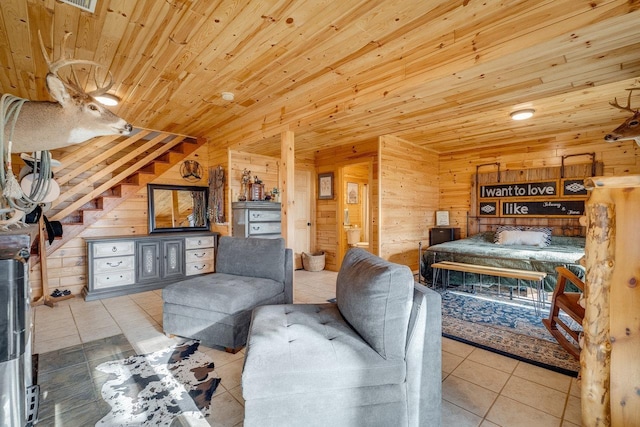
<point>223,293</point>
<point>307,348</point>
<point>375,297</point>
<point>267,257</point>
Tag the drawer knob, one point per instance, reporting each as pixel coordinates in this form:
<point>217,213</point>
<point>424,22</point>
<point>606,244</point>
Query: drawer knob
<point>114,249</point>
<point>199,255</point>
<point>114,264</point>
<point>198,267</point>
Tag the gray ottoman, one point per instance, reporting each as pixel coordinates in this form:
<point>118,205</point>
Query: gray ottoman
<point>216,308</point>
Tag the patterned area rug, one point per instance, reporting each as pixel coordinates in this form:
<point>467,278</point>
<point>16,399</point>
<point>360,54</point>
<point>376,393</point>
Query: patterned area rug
<point>155,388</point>
<point>513,330</point>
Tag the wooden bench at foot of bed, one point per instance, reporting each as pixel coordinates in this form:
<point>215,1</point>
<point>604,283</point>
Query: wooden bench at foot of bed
<point>533,276</point>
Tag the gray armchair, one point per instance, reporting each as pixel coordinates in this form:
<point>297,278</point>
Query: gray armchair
<point>372,359</point>
<point>216,308</point>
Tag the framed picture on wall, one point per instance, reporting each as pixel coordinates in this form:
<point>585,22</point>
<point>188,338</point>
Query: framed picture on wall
<point>442,218</point>
<point>352,192</point>
<point>325,185</point>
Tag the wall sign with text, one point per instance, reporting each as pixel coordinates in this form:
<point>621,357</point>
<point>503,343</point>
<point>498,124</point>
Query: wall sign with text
<point>527,189</point>
<point>548,198</point>
<point>548,208</point>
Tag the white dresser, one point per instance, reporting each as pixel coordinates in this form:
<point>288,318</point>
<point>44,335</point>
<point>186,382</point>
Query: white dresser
<point>257,219</point>
<point>124,265</point>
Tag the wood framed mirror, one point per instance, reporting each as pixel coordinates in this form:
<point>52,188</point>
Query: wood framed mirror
<point>177,208</point>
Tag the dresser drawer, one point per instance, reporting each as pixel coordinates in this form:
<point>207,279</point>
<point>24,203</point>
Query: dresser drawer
<point>200,267</point>
<point>198,242</point>
<point>264,228</point>
<point>107,265</point>
<point>110,249</point>
<point>195,255</point>
<point>266,215</point>
<point>118,278</point>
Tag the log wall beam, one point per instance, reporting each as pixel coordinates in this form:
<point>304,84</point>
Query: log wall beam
<point>286,179</point>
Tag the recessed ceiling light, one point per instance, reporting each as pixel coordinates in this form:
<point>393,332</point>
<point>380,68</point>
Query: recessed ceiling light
<point>108,99</point>
<point>522,114</point>
<point>228,96</point>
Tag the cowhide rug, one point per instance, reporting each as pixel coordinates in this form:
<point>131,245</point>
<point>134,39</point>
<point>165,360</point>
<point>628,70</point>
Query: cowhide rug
<point>153,389</point>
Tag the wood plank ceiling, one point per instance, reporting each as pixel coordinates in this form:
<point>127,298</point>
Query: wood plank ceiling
<point>441,73</point>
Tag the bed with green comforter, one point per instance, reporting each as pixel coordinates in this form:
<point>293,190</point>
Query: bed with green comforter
<point>480,249</point>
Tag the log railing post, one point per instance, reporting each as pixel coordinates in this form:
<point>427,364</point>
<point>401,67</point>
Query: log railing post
<point>611,342</point>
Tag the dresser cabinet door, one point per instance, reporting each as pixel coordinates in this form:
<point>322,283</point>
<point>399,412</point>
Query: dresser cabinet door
<point>173,258</point>
<point>148,254</point>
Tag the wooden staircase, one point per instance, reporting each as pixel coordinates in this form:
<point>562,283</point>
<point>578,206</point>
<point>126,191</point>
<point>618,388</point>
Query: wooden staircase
<point>131,172</point>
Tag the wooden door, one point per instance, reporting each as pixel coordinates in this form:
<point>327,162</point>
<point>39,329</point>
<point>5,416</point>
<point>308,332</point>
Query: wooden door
<point>302,216</point>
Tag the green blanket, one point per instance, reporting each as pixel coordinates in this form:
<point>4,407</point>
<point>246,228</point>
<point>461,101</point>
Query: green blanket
<point>480,250</point>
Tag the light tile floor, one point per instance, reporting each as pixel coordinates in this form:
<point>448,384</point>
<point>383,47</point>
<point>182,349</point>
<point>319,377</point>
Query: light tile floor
<point>479,388</point>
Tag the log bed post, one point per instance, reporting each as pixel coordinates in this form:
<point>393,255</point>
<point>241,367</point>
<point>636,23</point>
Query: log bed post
<point>611,343</point>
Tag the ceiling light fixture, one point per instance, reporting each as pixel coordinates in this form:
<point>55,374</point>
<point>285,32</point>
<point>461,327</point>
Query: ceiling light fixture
<point>228,96</point>
<point>108,99</point>
<point>522,114</point>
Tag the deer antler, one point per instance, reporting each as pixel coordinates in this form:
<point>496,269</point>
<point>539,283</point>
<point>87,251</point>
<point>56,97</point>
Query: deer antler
<point>628,107</point>
<point>102,90</point>
<point>54,66</point>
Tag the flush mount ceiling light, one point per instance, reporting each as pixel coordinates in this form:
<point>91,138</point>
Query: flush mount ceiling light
<point>522,114</point>
<point>228,96</point>
<point>108,99</point>
<point>88,5</point>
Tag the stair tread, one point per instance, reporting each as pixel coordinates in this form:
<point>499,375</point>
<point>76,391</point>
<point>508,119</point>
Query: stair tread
<point>108,200</point>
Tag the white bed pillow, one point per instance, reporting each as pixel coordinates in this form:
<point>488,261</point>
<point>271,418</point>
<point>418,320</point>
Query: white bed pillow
<point>546,230</point>
<point>502,228</point>
<point>519,237</point>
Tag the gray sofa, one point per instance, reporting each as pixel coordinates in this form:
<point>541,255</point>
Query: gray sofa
<point>372,359</point>
<point>216,308</point>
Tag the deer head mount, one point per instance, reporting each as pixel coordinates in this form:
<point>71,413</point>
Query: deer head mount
<point>74,118</point>
<point>630,129</point>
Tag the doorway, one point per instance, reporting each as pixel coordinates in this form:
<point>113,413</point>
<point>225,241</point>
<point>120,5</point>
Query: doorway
<point>302,216</point>
<point>354,196</point>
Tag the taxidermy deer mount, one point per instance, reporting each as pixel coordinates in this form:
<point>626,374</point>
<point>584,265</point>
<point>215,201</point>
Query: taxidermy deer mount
<point>74,118</point>
<point>630,129</point>
<point>40,126</point>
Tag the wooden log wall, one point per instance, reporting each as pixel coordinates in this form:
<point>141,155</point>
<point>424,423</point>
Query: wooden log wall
<point>457,170</point>
<point>408,198</point>
<point>67,267</point>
